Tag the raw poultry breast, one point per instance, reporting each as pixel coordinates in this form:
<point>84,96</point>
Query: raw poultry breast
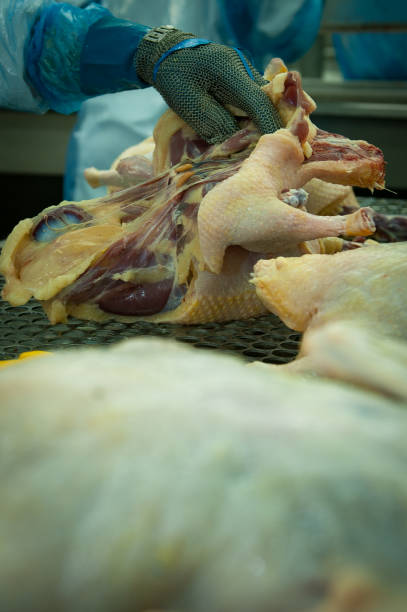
<point>176,239</point>
<point>351,307</point>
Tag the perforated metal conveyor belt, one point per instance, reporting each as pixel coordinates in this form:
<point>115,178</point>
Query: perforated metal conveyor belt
<point>26,328</point>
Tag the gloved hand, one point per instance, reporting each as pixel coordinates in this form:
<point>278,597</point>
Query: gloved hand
<point>197,77</point>
<point>74,54</point>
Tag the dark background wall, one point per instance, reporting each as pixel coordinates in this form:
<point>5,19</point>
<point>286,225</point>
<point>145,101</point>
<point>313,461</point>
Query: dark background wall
<point>25,195</point>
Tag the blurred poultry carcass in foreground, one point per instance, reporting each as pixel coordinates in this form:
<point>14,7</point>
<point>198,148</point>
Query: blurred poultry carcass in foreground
<point>177,238</point>
<point>154,476</point>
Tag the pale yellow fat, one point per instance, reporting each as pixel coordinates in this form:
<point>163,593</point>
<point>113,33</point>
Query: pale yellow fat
<point>275,300</point>
<point>153,274</point>
<point>329,245</point>
<point>14,292</point>
<point>65,259</point>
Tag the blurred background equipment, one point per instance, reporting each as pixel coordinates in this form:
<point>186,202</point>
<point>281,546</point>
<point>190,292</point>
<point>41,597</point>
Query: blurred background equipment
<point>357,73</point>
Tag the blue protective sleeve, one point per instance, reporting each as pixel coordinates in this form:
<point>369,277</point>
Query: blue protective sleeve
<point>75,53</point>
<point>53,53</point>
<point>107,58</point>
<point>16,21</point>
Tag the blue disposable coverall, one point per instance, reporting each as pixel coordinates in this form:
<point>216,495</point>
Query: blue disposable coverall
<point>42,59</point>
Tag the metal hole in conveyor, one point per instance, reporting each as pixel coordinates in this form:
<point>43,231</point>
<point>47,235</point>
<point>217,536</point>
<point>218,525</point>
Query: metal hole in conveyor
<point>266,338</point>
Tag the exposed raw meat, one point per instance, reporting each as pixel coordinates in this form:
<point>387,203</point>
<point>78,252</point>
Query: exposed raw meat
<point>153,476</point>
<point>178,243</point>
<point>390,228</point>
<point>352,308</point>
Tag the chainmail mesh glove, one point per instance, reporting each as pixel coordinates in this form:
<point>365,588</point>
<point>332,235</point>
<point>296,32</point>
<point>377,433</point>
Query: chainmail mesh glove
<point>197,77</point>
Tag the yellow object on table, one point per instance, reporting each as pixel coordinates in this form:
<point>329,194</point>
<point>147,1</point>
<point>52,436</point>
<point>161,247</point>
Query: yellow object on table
<point>23,356</point>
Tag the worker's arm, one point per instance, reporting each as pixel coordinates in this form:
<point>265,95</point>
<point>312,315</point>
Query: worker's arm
<point>44,51</point>
<point>73,54</point>
<point>16,22</point>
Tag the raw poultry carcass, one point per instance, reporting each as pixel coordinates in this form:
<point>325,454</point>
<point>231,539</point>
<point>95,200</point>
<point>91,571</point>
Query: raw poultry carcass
<point>154,476</point>
<point>132,167</point>
<point>351,307</point>
<point>178,240</point>
<point>249,209</point>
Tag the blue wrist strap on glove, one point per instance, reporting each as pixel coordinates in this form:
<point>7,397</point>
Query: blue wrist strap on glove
<point>184,44</point>
<point>196,42</point>
<point>74,53</point>
<point>244,62</point>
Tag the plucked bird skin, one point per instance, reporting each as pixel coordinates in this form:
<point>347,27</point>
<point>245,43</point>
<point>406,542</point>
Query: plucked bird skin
<point>154,476</point>
<point>177,236</point>
<point>351,307</point>
<point>250,213</point>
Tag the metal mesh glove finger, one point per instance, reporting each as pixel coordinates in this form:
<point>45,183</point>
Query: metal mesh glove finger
<point>197,78</point>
